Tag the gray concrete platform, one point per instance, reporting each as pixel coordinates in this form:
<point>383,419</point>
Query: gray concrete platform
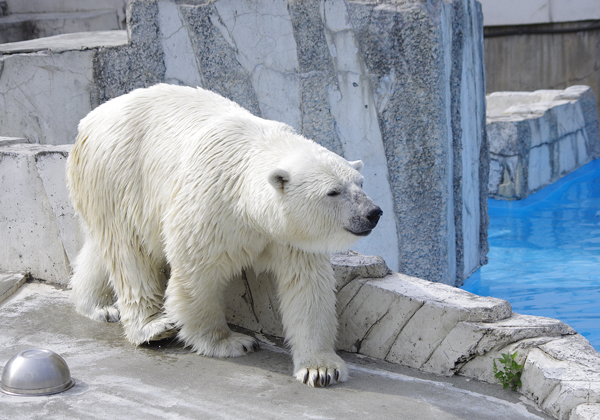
<point>115,380</point>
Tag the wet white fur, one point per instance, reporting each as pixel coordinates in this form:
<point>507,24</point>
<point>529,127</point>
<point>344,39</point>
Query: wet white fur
<point>181,177</point>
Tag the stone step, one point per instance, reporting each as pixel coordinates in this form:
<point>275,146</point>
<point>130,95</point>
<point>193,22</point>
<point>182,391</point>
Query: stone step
<point>26,26</point>
<point>5,141</point>
<point>62,6</point>
<point>40,234</point>
<point>10,283</point>
<point>46,84</point>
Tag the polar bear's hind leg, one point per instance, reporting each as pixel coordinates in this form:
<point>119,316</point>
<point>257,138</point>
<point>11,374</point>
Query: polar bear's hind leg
<point>139,282</point>
<point>92,293</point>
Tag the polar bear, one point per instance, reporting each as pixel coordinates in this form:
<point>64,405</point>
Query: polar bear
<point>178,190</point>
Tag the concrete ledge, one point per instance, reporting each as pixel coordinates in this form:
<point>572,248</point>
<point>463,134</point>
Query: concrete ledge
<point>46,85</point>
<point>447,331</point>
<point>23,26</point>
<point>41,233</point>
<point>6,141</point>
<point>9,283</point>
<point>67,42</point>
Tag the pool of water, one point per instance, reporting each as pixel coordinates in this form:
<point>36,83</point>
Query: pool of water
<point>545,253</point>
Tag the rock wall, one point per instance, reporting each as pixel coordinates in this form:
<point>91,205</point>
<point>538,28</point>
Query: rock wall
<point>399,85</point>
<point>538,137</point>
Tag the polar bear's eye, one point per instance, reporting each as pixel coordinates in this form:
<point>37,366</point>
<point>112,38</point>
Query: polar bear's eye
<point>333,193</point>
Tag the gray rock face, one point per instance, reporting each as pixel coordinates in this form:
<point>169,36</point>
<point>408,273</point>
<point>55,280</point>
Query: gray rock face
<point>140,63</point>
<point>423,64</point>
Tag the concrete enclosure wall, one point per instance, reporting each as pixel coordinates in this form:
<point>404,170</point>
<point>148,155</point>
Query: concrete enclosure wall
<point>398,85</point>
<point>538,137</point>
<point>544,56</point>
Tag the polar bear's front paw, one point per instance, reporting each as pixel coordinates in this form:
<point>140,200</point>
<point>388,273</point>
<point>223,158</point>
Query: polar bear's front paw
<point>322,371</point>
<point>233,345</point>
<point>107,313</point>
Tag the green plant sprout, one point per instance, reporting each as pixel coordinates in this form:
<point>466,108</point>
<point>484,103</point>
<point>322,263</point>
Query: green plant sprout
<point>510,376</point>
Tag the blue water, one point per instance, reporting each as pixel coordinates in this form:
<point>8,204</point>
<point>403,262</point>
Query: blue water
<point>545,253</point>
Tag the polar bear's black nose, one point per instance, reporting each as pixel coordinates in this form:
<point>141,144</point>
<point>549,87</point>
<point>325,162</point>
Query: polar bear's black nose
<point>374,215</point>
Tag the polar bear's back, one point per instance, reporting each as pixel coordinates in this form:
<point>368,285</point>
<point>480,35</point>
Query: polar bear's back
<point>157,129</point>
<point>134,153</point>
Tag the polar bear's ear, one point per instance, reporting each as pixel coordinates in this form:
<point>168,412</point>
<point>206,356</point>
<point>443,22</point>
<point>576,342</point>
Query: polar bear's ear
<point>357,164</point>
<point>278,178</point>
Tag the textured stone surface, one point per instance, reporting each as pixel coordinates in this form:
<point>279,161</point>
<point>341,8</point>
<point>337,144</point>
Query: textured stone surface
<point>351,265</point>
<point>391,318</point>
<point>9,283</point>
<point>566,381</point>
<point>140,63</point>
<point>421,100</point>
<point>50,101</point>
<point>40,231</point>
<point>18,27</point>
<point>538,137</point>
<point>586,412</point>
<point>45,92</point>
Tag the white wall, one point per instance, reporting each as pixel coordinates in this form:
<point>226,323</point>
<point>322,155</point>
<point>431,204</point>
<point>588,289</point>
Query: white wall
<point>527,12</point>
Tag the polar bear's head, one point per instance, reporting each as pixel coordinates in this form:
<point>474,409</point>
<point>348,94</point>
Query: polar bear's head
<point>322,202</point>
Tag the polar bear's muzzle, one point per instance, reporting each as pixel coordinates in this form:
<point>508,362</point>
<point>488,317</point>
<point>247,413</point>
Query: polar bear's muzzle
<point>363,225</point>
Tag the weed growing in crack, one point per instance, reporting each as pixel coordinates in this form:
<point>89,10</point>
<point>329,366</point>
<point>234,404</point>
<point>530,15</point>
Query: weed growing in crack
<point>510,375</point>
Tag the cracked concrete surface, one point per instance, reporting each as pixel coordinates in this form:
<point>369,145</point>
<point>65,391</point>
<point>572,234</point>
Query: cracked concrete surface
<point>44,93</point>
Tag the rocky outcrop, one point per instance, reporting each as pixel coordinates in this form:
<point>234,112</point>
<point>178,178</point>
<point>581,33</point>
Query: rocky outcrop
<point>538,137</point>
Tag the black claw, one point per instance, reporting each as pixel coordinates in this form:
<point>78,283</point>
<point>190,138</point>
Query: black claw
<point>255,346</point>
<point>322,380</point>
<point>305,377</point>
<point>245,349</point>
<point>327,379</point>
<point>337,375</point>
